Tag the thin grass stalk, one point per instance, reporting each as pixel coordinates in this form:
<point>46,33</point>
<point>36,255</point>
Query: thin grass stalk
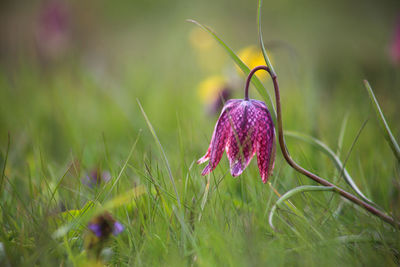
<point>300,169</point>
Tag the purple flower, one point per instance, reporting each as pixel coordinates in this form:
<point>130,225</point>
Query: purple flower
<point>96,229</point>
<point>118,228</point>
<point>218,103</point>
<point>53,33</point>
<point>104,225</point>
<point>95,177</point>
<point>244,128</point>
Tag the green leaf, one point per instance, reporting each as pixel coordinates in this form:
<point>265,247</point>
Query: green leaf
<point>294,191</point>
<point>256,82</point>
<point>382,121</point>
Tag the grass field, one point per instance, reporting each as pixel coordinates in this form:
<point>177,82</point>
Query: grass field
<point>115,124</point>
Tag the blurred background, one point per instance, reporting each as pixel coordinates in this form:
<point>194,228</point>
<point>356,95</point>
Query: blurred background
<point>83,64</point>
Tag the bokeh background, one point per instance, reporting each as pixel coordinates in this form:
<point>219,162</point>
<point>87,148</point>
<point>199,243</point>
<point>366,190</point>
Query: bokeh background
<point>72,73</point>
<point>82,65</point>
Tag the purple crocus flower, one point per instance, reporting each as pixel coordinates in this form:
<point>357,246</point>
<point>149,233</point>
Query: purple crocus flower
<point>244,128</point>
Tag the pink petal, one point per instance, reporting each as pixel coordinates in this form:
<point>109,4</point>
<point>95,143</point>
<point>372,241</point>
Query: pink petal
<point>241,142</point>
<point>205,157</point>
<point>265,142</point>
<point>219,139</point>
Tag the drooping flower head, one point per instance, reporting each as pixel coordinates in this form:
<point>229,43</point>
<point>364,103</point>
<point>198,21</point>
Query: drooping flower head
<point>244,128</point>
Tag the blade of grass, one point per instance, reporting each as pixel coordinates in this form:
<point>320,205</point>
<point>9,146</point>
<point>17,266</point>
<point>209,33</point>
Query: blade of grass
<point>296,211</point>
<point>205,196</point>
<point>335,159</point>
<point>185,228</point>
<point>382,121</point>
<point>292,192</point>
<point>256,82</point>
<point>260,38</point>
<point>3,173</point>
<point>162,151</point>
<point>52,197</point>
<point>123,167</point>
<point>87,211</point>
<point>91,209</point>
<point>341,134</point>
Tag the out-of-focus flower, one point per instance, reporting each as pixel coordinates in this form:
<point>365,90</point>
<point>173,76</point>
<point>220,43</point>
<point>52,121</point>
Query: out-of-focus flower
<point>53,31</point>
<point>395,46</point>
<point>104,225</point>
<point>95,177</point>
<point>101,228</point>
<point>208,57</point>
<point>244,128</point>
<point>252,57</point>
<point>200,39</point>
<point>213,92</point>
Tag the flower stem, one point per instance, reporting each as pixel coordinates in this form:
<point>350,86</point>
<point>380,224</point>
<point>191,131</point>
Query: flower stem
<point>300,169</point>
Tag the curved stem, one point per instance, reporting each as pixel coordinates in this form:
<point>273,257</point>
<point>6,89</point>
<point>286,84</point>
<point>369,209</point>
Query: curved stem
<point>300,169</point>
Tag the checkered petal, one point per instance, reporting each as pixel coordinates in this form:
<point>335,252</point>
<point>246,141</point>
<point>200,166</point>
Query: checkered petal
<point>240,147</point>
<point>219,138</point>
<point>265,143</point>
<point>244,128</point>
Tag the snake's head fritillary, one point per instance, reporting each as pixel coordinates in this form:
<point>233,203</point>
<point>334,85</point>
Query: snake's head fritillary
<point>244,128</point>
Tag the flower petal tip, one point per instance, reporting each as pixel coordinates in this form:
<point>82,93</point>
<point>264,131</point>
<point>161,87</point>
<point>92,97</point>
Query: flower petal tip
<point>206,170</point>
<point>237,169</point>
<point>202,160</point>
<point>265,177</point>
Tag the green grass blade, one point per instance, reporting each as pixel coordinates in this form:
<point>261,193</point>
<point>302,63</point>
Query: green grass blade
<point>124,166</point>
<point>382,121</point>
<point>91,209</point>
<point>205,197</point>
<point>341,135</point>
<point>125,198</point>
<point>292,192</point>
<point>3,173</point>
<point>153,132</point>
<point>264,51</point>
<point>256,82</point>
<point>335,159</point>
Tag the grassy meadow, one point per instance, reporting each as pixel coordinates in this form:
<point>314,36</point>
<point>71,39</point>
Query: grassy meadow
<point>105,112</point>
